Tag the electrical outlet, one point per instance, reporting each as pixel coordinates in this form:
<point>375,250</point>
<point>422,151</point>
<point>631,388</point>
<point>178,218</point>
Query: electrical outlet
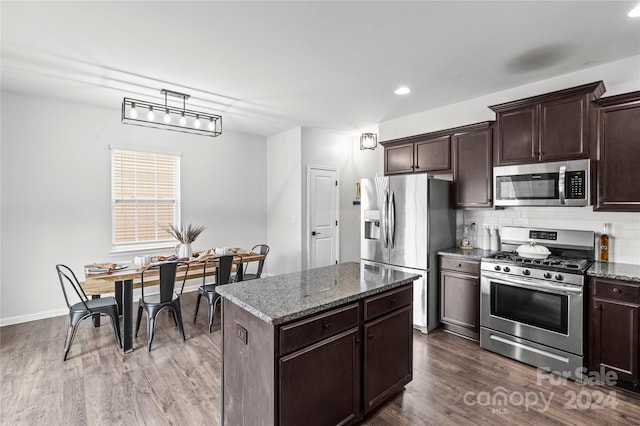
<point>242,333</point>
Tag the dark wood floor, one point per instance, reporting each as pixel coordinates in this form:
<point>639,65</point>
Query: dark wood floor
<point>455,382</point>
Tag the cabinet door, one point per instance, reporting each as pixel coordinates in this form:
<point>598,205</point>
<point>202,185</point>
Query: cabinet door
<point>564,129</point>
<point>460,302</point>
<point>613,340</point>
<point>398,159</point>
<point>433,155</point>
<point>473,169</point>
<point>517,136</point>
<point>388,356</point>
<point>322,382</point>
<point>618,139</point>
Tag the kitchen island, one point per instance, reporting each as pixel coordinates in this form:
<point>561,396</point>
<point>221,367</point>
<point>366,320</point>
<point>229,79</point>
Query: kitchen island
<point>326,345</point>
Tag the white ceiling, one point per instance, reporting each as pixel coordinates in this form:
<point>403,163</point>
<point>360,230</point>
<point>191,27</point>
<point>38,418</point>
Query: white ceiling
<point>269,66</point>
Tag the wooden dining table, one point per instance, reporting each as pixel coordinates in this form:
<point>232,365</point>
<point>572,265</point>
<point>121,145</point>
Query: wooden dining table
<point>123,281</point>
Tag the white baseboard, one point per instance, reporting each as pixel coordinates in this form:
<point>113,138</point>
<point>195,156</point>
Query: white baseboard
<point>19,319</point>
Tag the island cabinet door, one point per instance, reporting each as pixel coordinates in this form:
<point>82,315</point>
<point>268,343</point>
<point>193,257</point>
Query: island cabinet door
<point>320,384</point>
<point>388,356</point>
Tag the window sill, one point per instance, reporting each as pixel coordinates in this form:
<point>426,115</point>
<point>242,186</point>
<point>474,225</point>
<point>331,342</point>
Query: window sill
<point>143,248</point>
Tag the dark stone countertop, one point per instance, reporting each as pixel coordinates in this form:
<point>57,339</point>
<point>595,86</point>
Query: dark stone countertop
<point>615,271</point>
<point>473,254</point>
<point>282,298</point>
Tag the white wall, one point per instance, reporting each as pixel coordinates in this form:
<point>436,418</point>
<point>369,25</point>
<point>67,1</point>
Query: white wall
<point>55,193</point>
<point>619,77</point>
<point>284,192</point>
<point>342,151</point>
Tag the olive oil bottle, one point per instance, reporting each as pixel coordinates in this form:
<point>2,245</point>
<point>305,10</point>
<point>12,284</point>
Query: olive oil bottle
<point>604,244</point>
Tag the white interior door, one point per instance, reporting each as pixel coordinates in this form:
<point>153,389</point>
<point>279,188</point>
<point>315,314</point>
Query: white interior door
<point>323,216</point>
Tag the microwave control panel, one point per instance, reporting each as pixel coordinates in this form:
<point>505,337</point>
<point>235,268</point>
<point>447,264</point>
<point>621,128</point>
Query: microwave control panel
<point>575,185</point>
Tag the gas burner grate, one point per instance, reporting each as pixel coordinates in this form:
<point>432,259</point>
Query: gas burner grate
<point>558,262</point>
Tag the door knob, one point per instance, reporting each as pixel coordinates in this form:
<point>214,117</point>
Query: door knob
<point>315,233</point>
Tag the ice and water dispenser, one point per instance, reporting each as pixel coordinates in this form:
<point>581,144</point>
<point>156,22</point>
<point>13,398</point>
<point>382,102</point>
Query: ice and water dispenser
<point>372,224</point>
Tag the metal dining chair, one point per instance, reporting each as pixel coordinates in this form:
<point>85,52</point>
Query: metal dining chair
<point>85,308</point>
<point>223,265</point>
<point>168,298</point>
<point>262,249</point>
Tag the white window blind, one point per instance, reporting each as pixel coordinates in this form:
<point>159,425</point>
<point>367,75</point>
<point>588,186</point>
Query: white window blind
<point>145,196</point>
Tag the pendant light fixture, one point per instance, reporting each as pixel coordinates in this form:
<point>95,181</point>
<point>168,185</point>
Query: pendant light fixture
<point>174,118</point>
<point>368,141</point>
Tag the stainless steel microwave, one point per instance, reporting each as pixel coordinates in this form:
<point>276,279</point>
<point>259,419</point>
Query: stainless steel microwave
<point>563,183</point>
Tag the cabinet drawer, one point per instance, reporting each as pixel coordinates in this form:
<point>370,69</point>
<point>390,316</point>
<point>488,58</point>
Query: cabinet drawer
<point>460,265</point>
<point>618,290</point>
<point>387,302</point>
<point>311,330</point>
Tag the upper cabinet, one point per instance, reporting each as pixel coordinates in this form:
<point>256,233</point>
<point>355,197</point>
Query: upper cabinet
<point>418,154</point>
<point>550,127</point>
<point>617,141</point>
<point>473,166</point>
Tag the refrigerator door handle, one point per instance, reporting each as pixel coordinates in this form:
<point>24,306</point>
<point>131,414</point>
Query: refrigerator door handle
<point>385,225</point>
<point>392,220</point>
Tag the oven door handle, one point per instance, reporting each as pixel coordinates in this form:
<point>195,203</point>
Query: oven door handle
<point>516,282</point>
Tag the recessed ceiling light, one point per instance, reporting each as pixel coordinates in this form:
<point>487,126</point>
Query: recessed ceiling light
<point>403,90</point>
<point>635,12</point>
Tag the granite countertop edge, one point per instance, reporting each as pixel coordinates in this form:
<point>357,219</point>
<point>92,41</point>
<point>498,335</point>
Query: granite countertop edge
<point>315,309</point>
<point>474,254</point>
<point>615,271</point>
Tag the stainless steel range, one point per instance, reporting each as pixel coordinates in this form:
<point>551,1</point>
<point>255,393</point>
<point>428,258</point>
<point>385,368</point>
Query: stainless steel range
<point>532,310</point>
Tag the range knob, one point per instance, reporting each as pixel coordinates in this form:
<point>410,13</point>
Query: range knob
<point>559,277</point>
<point>526,272</point>
<point>507,269</point>
<point>547,275</point>
<point>497,267</point>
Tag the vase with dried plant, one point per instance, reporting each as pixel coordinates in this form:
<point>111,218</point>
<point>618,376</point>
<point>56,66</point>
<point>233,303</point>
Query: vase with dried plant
<point>185,236</point>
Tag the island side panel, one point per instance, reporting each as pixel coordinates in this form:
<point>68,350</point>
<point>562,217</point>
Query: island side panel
<point>249,373</point>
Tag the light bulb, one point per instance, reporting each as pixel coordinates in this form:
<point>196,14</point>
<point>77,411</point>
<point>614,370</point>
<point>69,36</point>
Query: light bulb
<point>133,112</point>
<point>150,115</point>
<point>211,127</point>
<point>196,123</point>
<point>167,117</point>
<point>183,120</point>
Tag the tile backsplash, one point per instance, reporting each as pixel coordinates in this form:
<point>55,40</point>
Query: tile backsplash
<point>624,228</point>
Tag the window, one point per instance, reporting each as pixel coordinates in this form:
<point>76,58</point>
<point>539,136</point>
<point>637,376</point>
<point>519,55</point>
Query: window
<point>145,197</point>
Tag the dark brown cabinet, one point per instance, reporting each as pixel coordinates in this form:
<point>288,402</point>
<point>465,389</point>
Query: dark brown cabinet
<point>549,127</point>
<point>332,367</point>
<point>614,328</point>
<point>473,166</point>
<point>310,377</point>
<point>460,296</point>
<point>429,153</point>
<point>618,152</point>
<point>388,345</point>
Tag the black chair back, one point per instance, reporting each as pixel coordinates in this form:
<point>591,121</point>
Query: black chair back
<point>223,271</point>
<point>167,275</point>
<point>69,279</point>
<point>264,250</point>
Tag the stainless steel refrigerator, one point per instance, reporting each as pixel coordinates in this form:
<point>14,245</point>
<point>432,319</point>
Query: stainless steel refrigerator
<point>405,220</point>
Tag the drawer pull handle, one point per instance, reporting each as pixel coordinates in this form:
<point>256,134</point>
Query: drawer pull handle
<point>326,324</point>
<point>616,290</point>
<point>459,265</point>
<point>369,336</point>
<point>393,300</point>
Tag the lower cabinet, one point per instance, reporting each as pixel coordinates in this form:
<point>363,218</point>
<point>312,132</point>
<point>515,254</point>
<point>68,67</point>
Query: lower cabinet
<point>614,329</point>
<point>330,368</point>
<point>460,296</point>
<point>388,347</point>
<point>320,376</point>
